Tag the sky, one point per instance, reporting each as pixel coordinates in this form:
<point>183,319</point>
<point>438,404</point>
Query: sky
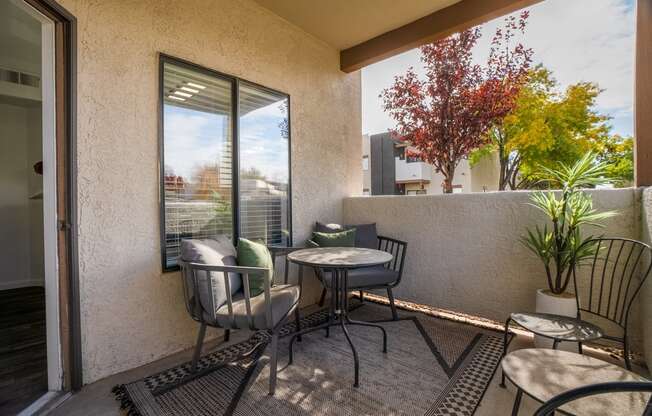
<point>194,139</point>
<point>579,40</point>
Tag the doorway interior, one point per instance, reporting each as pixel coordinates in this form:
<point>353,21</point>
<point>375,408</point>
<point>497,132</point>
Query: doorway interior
<point>31,352</point>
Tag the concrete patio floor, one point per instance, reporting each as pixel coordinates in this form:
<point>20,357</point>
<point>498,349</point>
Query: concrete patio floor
<point>96,398</point>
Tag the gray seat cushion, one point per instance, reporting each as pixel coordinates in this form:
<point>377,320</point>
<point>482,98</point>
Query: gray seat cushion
<point>366,235</point>
<point>283,298</point>
<point>364,277</point>
<point>216,252</point>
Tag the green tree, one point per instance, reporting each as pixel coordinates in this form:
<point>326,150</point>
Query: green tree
<point>546,127</point>
<point>617,153</point>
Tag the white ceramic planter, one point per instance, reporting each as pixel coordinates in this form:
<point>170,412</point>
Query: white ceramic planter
<point>564,305</point>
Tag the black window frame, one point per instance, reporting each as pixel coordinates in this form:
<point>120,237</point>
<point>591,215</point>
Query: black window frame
<point>235,146</point>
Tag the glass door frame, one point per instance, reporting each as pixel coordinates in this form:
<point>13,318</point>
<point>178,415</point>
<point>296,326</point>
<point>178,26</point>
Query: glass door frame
<point>64,196</point>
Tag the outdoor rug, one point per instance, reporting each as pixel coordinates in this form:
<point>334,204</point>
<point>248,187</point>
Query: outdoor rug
<point>433,367</point>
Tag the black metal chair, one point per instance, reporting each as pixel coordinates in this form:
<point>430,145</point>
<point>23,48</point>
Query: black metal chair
<point>619,269</point>
<point>268,311</point>
<point>369,278</point>
<point>615,280</point>
<point>549,407</point>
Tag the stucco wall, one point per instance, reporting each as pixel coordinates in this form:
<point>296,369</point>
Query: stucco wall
<point>132,313</point>
<point>463,250</point>
<point>646,291</point>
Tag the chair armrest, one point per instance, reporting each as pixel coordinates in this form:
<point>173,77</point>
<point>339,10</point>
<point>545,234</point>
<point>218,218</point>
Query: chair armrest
<point>227,269</point>
<point>193,268</point>
<point>283,251</point>
<point>549,407</point>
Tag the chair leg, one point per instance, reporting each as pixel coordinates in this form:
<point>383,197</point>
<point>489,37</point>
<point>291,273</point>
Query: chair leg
<point>628,364</point>
<point>273,364</point>
<point>297,321</point>
<point>505,337</point>
<point>361,296</point>
<point>322,298</point>
<point>517,402</point>
<point>390,295</point>
<point>197,353</point>
<point>227,335</point>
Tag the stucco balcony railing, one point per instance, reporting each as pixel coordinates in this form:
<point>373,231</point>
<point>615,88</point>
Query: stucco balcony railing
<point>464,252</point>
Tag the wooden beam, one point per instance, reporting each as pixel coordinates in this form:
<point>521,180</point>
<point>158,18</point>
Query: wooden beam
<point>460,16</point>
<point>643,95</point>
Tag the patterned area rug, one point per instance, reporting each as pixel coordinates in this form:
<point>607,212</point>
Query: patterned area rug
<point>433,367</point>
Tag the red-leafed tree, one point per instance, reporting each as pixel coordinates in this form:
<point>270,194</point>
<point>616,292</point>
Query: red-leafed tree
<point>447,115</point>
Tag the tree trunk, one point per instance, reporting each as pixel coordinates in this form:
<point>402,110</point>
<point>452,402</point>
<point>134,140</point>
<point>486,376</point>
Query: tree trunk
<point>448,179</point>
<point>502,182</point>
<point>503,160</point>
<point>448,186</point>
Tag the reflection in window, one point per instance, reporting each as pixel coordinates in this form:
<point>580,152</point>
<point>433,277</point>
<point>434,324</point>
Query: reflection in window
<point>197,128</point>
<point>263,164</point>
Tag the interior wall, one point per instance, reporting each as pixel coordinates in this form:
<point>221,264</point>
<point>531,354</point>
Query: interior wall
<point>21,219</point>
<point>131,312</point>
<point>464,252</point>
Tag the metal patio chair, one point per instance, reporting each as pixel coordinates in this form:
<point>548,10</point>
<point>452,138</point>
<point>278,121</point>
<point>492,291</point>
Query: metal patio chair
<point>267,311</point>
<point>615,281</point>
<point>378,277</point>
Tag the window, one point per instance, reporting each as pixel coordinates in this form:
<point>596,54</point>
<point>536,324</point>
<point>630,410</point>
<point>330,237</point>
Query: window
<point>225,159</point>
<point>264,174</point>
<point>365,162</point>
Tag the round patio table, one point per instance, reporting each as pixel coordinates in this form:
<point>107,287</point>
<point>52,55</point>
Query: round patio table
<point>543,373</point>
<point>339,260</point>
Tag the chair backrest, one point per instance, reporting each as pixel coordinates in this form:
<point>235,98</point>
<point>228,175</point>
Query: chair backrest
<point>618,270</point>
<point>191,276</point>
<point>397,249</point>
<point>549,407</point>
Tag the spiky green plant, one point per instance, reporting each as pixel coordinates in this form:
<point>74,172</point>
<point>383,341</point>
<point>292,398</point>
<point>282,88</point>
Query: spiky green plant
<point>560,245</point>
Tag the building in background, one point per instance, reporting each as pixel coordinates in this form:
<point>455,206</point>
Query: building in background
<point>388,170</point>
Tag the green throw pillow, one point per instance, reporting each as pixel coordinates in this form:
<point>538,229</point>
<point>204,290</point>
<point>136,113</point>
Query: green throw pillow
<point>252,254</point>
<point>341,239</point>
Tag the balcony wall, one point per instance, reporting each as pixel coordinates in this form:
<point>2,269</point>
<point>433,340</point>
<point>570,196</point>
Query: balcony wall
<point>131,312</point>
<point>464,252</point>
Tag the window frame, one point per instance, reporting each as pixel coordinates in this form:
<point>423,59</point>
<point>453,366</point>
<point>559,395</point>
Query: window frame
<point>235,146</point>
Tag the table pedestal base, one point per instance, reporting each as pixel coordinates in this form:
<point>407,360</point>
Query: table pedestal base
<point>339,316</point>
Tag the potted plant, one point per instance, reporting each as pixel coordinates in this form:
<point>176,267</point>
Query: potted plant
<point>559,243</point>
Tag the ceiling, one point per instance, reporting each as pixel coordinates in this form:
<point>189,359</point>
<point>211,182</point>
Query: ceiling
<point>346,23</point>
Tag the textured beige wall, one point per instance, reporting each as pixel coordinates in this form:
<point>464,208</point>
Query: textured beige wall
<point>131,312</point>
<point>463,250</point>
<point>646,291</point>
